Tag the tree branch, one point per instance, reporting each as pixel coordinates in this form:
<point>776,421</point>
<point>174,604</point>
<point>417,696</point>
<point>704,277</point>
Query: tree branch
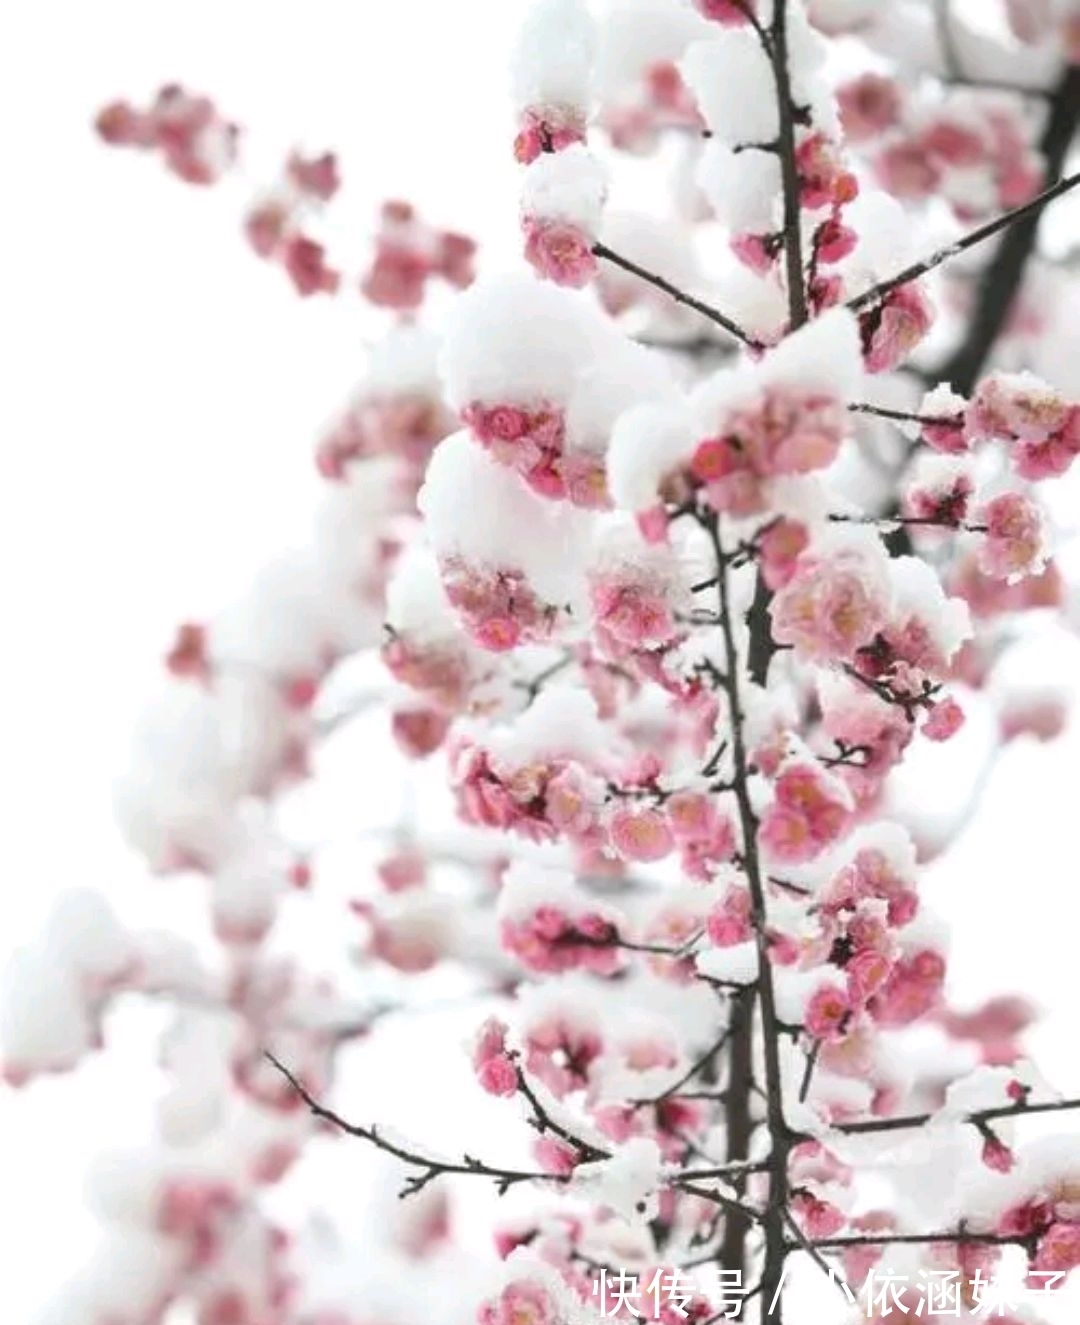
<point>780,1135</point>
<point>789,171</point>
<point>1029,210</point>
<point>914,1120</point>
<point>739,1126</point>
<point>1002,279</point>
<point>428,1168</point>
<point>680,296</point>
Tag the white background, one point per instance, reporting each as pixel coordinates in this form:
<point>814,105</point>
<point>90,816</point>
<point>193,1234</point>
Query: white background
<point>160,392</point>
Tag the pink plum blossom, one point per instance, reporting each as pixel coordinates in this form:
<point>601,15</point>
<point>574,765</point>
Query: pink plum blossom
<point>493,1066</point>
<point>809,811</point>
<point>547,129</point>
<point>1014,544</point>
<point>832,605</point>
<point>944,720</point>
<point>827,1014</point>
<point>895,328</point>
<point>559,250</point>
<point>731,13</point>
<point>869,105</point>
<point>640,833</point>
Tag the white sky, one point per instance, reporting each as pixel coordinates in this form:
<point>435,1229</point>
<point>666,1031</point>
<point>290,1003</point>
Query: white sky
<point>161,392</point>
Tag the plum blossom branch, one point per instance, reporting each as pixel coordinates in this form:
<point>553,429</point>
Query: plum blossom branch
<point>777,50</point>
<point>904,416</point>
<point>780,1134</point>
<point>910,704</point>
<point>1017,1110</point>
<point>803,1243</point>
<point>695,1067</point>
<point>428,1168</point>
<point>961,1237</point>
<point>680,296</point>
<point>746,8</point>
<point>543,1122</point>
<point>893,521</point>
<point>876,293</point>
<point>1000,283</point>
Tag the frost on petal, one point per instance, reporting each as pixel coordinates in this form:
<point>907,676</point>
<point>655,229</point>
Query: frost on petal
<point>561,210</point>
<point>838,598</point>
<point>1015,543</point>
<point>729,74</point>
<point>550,926</point>
<point>416,602</point>
<point>939,489</point>
<point>640,833</point>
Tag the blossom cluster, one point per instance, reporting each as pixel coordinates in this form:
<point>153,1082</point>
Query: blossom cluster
<point>663,560</point>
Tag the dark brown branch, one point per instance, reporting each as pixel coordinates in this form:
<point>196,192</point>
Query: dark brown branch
<point>1028,210</point>
<point>1001,281</point>
<point>958,1237</point>
<point>779,1133</point>
<point>789,171</point>
<point>739,1125</point>
<point>947,38</point>
<point>925,521</point>
<point>803,1243</point>
<point>532,688</point>
<point>698,1065</point>
<point>680,296</point>
<point>914,1120</point>
<point>543,1122</point>
<point>903,416</point>
<point>731,1170</point>
<point>428,1169</point>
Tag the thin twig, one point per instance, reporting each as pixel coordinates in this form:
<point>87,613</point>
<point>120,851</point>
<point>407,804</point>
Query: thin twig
<point>680,296</point>
<point>877,293</point>
<point>691,1072</point>
<point>1018,1110</point>
<point>429,1169</point>
<point>815,1255</point>
<point>904,416</point>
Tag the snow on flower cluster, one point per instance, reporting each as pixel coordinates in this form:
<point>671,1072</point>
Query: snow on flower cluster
<point>662,563</point>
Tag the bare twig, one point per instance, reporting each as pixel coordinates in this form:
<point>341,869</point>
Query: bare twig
<point>680,296</point>
<point>878,292</point>
<point>1019,1110</point>
<point>428,1169</point>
